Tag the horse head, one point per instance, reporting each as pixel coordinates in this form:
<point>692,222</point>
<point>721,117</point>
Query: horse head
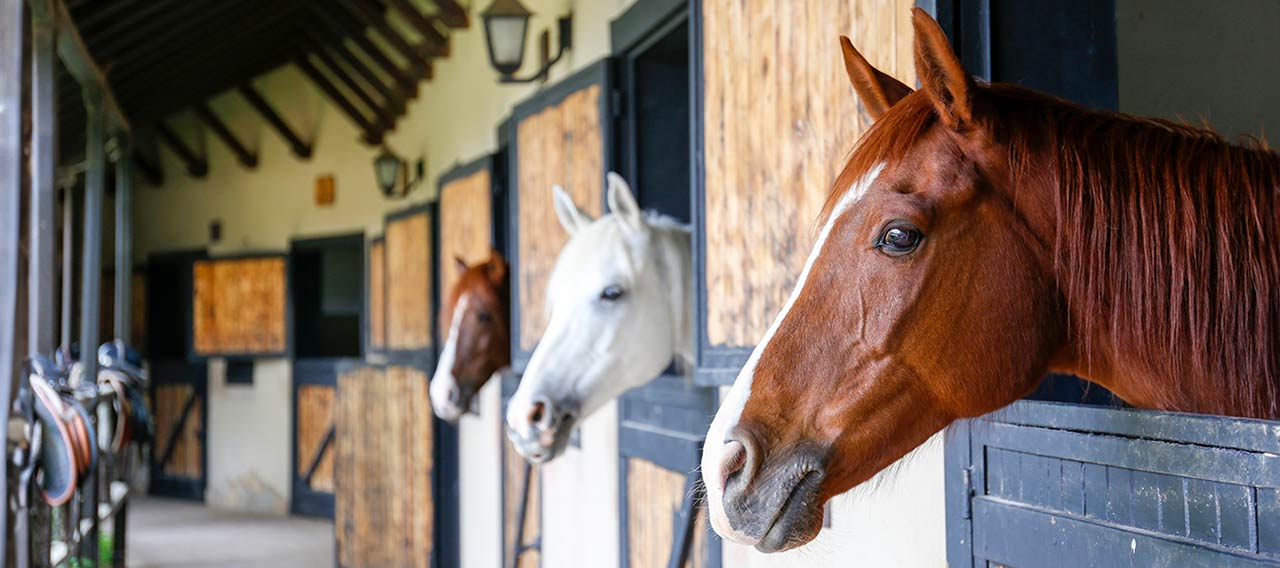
<point>619,301</point>
<point>475,326</point>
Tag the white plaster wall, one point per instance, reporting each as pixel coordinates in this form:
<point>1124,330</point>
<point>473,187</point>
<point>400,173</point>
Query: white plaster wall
<point>249,438</point>
<point>480,484</point>
<point>580,498</point>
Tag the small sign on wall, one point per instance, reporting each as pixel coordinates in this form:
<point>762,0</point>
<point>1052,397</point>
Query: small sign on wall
<point>326,191</point>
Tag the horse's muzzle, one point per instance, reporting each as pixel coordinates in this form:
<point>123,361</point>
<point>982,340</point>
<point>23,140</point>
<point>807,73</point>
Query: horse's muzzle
<point>773,506</point>
<point>541,433</point>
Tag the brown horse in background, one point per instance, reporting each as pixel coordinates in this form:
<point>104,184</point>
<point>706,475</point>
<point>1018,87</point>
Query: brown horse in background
<point>979,236</point>
<point>474,324</point>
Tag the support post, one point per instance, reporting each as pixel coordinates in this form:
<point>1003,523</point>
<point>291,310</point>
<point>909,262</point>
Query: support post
<point>68,267</point>
<point>91,277</point>
<point>12,14</point>
<point>124,241</point>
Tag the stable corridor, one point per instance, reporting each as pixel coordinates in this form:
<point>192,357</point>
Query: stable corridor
<point>166,532</point>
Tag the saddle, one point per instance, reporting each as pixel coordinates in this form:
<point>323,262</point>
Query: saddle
<point>68,450</point>
<point>121,370</point>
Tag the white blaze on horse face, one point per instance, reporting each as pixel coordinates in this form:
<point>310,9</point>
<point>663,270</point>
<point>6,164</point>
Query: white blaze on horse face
<point>443,381</point>
<point>731,408</point>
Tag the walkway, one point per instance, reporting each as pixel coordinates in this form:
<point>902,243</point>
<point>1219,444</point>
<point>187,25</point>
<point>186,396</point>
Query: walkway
<point>164,533</point>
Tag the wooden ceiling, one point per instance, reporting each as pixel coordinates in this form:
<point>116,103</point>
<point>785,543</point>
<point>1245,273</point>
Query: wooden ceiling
<point>165,56</point>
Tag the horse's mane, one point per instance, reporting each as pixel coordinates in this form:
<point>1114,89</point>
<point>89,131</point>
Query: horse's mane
<point>1167,244</point>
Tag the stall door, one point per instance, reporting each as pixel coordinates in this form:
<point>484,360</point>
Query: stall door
<point>521,500</point>
<point>178,379</point>
<point>660,430</point>
<point>178,455</point>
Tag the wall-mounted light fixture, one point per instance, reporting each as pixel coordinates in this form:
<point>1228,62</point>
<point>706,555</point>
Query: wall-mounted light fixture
<point>506,23</point>
<point>392,174</point>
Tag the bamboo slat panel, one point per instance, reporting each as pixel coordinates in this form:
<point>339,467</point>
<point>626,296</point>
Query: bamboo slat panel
<point>315,417</point>
<point>562,145</point>
<point>240,306</point>
<point>654,498</point>
<point>513,480</point>
<point>775,139</point>
<point>383,450</point>
<point>187,457</point>
<point>408,273</point>
<point>377,296</point>
<point>466,223</point>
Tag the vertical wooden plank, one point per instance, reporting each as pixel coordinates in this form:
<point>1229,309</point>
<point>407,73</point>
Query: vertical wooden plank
<point>561,145</point>
<point>1236,514</point>
<point>1269,521</point>
<point>1146,500</point>
<point>1095,491</point>
<point>1202,517</point>
<point>466,224</point>
<point>655,496</point>
<point>1173,505</point>
<point>409,290</point>
<point>1120,495</point>
<point>377,295</point>
<point>315,416</point>
<point>767,178</point>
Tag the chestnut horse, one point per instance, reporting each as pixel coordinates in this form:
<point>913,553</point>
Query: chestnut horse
<point>979,236</point>
<point>476,335</point>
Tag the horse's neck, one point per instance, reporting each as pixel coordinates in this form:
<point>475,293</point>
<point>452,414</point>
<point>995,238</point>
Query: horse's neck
<point>1168,263</point>
<point>672,249</point>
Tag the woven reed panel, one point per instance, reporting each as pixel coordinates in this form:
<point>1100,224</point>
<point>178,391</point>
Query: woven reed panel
<point>466,224</point>
<point>655,496</point>
<point>377,296</point>
<point>513,484</point>
<point>187,459</point>
<point>383,461</point>
<point>560,145</point>
<point>780,120</point>
<point>315,417</point>
<point>240,306</point>
<point>408,290</point>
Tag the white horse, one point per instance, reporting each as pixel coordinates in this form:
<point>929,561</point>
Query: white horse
<point>620,299</point>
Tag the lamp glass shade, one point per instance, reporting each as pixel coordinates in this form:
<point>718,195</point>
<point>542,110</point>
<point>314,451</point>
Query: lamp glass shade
<point>506,23</point>
<point>387,168</point>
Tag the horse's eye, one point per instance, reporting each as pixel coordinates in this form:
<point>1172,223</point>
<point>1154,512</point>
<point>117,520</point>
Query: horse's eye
<point>899,239</point>
<point>611,293</point>
<point>484,317</point>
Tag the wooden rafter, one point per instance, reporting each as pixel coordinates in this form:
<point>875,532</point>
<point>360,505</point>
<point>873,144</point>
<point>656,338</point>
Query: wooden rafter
<point>370,16</point>
<point>386,117</point>
<point>430,33</point>
<point>407,79</point>
<point>372,135</point>
<point>176,26</point>
<point>390,94</point>
<point>196,166</point>
<point>255,99</point>
<point>248,158</point>
<point>150,170</point>
<point>453,14</point>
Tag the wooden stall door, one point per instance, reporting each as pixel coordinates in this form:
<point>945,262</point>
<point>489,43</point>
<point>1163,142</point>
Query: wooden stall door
<point>660,430</point>
<point>773,141</point>
<point>384,467</point>
<point>521,499</point>
<point>315,384</point>
<point>466,219</point>
<point>1047,484</point>
<point>376,308</point>
<point>240,306</point>
<point>178,454</point>
<point>561,138</point>
<point>410,273</point>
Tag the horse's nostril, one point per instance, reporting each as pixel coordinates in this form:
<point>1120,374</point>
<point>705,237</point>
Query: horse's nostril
<point>535,413</point>
<point>735,457</point>
<point>739,461</point>
<point>454,395</point>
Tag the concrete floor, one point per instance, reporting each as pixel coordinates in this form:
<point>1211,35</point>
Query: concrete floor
<point>164,532</point>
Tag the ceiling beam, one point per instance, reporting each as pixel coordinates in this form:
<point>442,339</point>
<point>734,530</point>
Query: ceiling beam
<point>255,99</point>
<point>248,159</point>
<point>426,28</point>
<point>196,166</point>
<point>391,93</point>
<point>407,79</point>
<point>453,14</point>
<point>386,117</point>
<point>150,170</point>
<point>371,17</point>
<point>180,24</point>
<point>79,61</point>
<point>372,135</point>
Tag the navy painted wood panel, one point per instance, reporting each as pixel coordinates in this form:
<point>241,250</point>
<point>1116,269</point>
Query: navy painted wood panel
<point>1066,485</point>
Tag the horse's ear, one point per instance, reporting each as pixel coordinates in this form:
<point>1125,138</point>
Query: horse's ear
<point>496,267</point>
<point>941,74</point>
<point>877,90</point>
<point>461,264</point>
<point>623,204</point>
<point>571,218</point>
